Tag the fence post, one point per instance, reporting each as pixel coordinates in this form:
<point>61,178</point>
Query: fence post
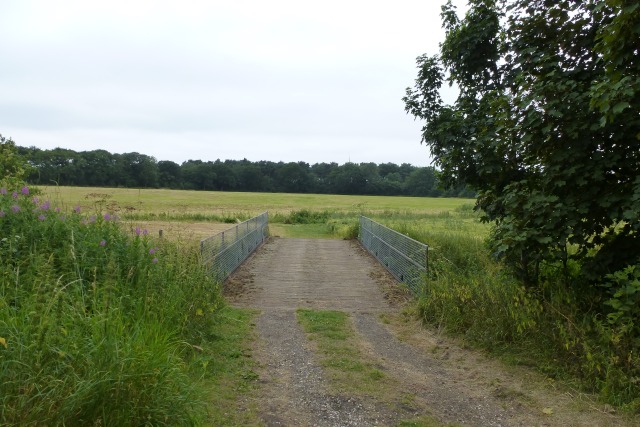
<point>426,260</point>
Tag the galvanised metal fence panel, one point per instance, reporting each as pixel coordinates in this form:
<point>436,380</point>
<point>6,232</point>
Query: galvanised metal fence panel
<point>405,258</point>
<point>225,251</point>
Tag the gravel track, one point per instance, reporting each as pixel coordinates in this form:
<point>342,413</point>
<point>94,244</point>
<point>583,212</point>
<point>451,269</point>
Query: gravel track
<point>457,386</point>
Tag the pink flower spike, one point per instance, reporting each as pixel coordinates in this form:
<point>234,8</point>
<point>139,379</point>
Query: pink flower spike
<point>137,231</point>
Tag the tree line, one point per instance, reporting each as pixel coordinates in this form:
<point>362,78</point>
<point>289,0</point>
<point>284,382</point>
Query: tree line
<point>100,168</point>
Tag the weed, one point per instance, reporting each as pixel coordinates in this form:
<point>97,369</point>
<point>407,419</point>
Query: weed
<point>334,336</point>
<point>466,292</point>
<point>96,324</point>
<point>424,421</point>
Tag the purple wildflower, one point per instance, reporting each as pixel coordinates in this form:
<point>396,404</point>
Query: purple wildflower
<point>2,214</point>
<point>3,191</point>
<point>107,217</point>
<point>57,210</point>
<point>42,217</point>
<point>45,206</point>
<point>103,243</point>
<point>152,251</point>
<point>137,231</point>
<point>14,195</point>
<point>92,219</point>
<point>25,190</point>
<point>145,232</point>
<point>35,200</point>
<point>155,260</point>
<point>15,208</point>
<point>77,209</point>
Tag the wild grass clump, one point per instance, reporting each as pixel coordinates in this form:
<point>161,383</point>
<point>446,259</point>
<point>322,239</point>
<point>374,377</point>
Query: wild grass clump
<point>227,218</point>
<point>559,327</point>
<point>302,216</point>
<point>96,324</point>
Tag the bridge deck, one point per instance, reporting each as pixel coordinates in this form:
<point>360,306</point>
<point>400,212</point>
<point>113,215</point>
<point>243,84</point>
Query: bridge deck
<point>314,273</point>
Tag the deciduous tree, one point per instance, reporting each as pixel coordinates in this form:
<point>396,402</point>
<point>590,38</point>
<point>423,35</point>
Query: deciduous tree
<point>546,127</point>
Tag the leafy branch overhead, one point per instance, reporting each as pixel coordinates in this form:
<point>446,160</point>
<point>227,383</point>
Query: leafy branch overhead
<point>546,127</point>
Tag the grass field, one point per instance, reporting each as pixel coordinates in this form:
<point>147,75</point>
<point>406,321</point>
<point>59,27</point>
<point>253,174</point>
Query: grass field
<point>190,216</point>
<point>194,215</point>
<point>172,202</point>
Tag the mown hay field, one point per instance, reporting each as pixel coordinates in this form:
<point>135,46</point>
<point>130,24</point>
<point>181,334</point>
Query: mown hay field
<point>193,215</point>
<point>147,201</point>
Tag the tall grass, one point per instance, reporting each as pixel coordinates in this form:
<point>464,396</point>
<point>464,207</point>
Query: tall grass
<point>556,328</point>
<point>96,325</point>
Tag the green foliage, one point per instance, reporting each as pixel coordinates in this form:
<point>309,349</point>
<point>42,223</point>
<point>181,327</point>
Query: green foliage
<point>96,325</point>
<point>552,327</point>
<point>625,300</point>
<point>100,168</point>
<point>348,231</point>
<point>13,168</point>
<point>306,216</point>
<point>621,338</point>
<point>545,128</point>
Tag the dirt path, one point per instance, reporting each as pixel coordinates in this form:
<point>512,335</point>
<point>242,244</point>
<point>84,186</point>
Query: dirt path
<point>445,381</point>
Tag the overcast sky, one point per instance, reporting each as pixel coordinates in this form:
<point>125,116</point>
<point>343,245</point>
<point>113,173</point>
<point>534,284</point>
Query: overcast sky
<point>277,80</point>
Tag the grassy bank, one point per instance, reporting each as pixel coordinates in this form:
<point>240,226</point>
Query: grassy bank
<point>555,328</point>
<point>98,326</point>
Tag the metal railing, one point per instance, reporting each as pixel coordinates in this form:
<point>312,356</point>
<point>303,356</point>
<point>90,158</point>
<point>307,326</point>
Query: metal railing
<point>225,251</point>
<point>405,258</point>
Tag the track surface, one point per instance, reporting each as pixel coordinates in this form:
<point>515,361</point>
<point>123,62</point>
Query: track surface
<point>446,382</point>
<point>314,273</point>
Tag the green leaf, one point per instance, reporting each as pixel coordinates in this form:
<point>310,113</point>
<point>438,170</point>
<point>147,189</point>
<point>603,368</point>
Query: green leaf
<point>620,106</point>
